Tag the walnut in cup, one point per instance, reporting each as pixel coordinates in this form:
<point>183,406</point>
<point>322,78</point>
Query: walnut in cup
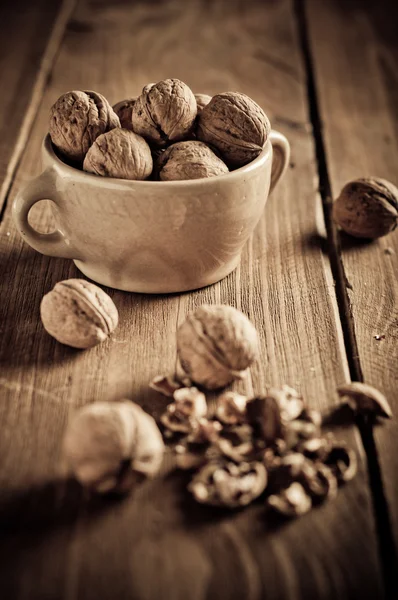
<point>189,160</point>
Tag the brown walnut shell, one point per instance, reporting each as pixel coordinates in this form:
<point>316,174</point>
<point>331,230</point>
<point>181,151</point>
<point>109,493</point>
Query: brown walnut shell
<point>235,125</point>
<point>367,208</point>
<point>119,153</point>
<point>165,112</point>
<point>201,101</point>
<point>124,110</point>
<point>77,119</point>
<point>189,160</point>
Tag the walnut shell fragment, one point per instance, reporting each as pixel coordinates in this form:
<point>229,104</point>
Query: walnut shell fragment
<point>189,160</point>
<point>119,153</point>
<point>112,446</point>
<point>164,112</point>
<point>235,125</point>
<point>78,313</point>
<point>216,344</point>
<point>228,484</point>
<point>77,119</point>
<point>367,208</point>
<point>124,110</point>
<point>365,399</point>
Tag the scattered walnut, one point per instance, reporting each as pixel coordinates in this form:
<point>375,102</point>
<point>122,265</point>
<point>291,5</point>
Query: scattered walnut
<point>164,112</point>
<point>166,385</point>
<point>291,502</point>
<point>182,415</point>
<point>189,160</point>
<point>111,446</point>
<point>228,484</point>
<point>124,110</point>
<point>77,119</point>
<point>264,415</point>
<point>201,101</point>
<point>365,399</point>
<point>235,125</point>
<point>78,313</point>
<point>231,408</point>
<point>367,208</point>
<point>342,461</point>
<point>119,153</point>
<point>216,344</point>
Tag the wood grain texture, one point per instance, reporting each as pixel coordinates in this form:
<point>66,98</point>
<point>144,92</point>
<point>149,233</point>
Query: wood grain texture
<point>30,36</point>
<point>358,90</point>
<point>158,543</point>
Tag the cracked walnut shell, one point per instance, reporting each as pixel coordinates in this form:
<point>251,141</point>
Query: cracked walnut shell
<point>235,125</point>
<point>112,446</point>
<point>216,344</point>
<point>78,313</point>
<point>77,119</point>
<point>189,160</point>
<point>165,112</point>
<point>367,208</point>
<point>119,153</point>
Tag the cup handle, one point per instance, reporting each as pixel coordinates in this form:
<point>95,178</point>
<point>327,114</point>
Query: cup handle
<point>280,156</point>
<point>40,188</point>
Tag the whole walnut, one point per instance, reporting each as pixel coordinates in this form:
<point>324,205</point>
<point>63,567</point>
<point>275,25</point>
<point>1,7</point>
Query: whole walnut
<point>235,125</point>
<point>78,313</point>
<point>124,110</point>
<point>77,119</point>
<point>367,208</point>
<point>189,160</point>
<point>165,112</point>
<point>201,101</point>
<point>119,153</point>
<point>112,446</point>
<point>216,344</point>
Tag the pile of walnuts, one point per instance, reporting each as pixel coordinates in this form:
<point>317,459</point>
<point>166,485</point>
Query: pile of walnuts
<point>166,133</point>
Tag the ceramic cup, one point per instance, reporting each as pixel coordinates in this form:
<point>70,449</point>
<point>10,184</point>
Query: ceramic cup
<point>151,236</point>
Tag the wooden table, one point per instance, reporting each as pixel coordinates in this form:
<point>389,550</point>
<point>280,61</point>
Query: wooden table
<point>325,305</point>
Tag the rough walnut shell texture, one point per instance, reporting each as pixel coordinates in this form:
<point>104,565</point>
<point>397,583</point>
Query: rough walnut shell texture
<point>215,344</point>
<point>165,112</point>
<point>367,208</point>
<point>77,119</point>
<point>119,153</point>
<point>78,313</point>
<point>124,110</point>
<point>235,125</point>
<point>189,160</point>
<point>201,101</point>
<point>107,445</point>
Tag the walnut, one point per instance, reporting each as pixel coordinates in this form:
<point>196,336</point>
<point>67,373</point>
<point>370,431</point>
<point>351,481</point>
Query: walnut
<point>111,446</point>
<point>201,101</point>
<point>78,313</point>
<point>164,112</point>
<point>189,160</point>
<point>235,125</point>
<point>182,415</point>
<point>365,399</point>
<point>124,110</point>
<point>367,208</point>
<point>231,408</point>
<point>291,502</point>
<point>77,119</point>
<point>119,153</point>
<point>216,344</point>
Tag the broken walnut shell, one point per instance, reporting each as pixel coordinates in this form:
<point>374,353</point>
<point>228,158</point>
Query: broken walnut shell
<point>165,112</point>
<point>189,160</point>
<point>119,153</point>
<point>78,313</point>
<point>111,446</point>
<point>235,125</point>
<point>365,399</point>
<point>367,208</point>
<point>216,344</point>
<point>77,119</point>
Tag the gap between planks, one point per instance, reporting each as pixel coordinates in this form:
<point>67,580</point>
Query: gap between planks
<point>387,549</point>
<point>53,45</point>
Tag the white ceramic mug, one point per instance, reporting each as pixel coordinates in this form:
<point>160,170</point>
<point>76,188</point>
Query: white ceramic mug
<point>151,236</point>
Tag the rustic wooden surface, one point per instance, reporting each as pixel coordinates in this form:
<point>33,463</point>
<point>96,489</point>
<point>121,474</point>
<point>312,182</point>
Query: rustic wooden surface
<point>158,544</point>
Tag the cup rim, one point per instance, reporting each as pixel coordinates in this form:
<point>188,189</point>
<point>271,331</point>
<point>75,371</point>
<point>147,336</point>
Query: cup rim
<point>188,183</point>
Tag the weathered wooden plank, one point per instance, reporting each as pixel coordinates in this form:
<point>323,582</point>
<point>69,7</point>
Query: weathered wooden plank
<point>30,36</point>
<point>358,85</point>
<point>159,543</point>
